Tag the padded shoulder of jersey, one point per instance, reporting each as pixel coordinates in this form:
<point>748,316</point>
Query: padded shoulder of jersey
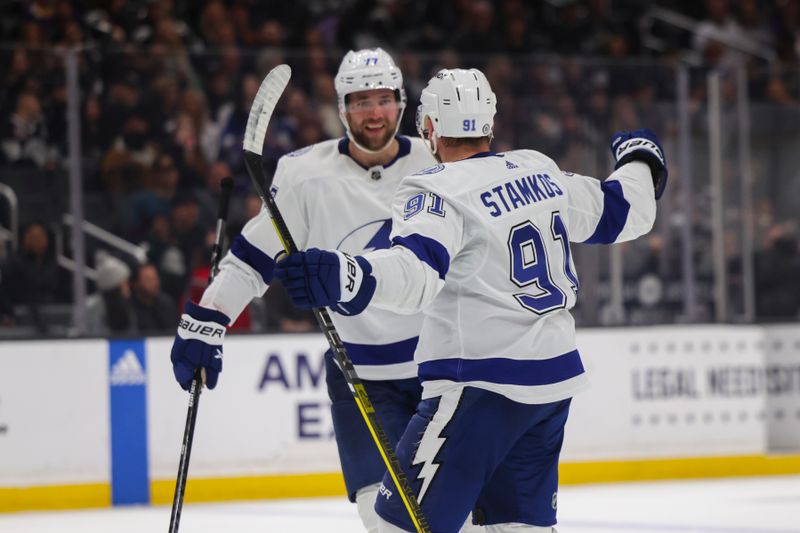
<point>309,162</point>
<point>531,157</point>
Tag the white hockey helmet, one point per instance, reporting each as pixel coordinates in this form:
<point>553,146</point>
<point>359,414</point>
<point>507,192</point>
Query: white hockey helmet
<point>459,103</point>
<point>366,70</point>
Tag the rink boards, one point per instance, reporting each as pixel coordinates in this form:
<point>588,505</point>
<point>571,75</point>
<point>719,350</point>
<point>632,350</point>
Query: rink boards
<point>88,423</point>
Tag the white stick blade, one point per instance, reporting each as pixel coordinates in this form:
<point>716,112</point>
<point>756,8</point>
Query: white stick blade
<point>263,105</point>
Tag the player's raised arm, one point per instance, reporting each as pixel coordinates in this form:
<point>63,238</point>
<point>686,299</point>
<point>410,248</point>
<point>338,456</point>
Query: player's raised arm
<point>623,206</point>
<point>404,278</point>
<point>245,273</point>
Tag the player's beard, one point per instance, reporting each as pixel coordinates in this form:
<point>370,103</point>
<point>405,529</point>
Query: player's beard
<point>372,142</point>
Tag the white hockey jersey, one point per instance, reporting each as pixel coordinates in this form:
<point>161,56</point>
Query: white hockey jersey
<point>482,245</point>
<point>330,201</point>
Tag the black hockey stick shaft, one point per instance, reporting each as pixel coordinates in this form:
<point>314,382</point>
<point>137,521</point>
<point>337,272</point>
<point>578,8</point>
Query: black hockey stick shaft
<point>256,171</point>
<point>197,383</point>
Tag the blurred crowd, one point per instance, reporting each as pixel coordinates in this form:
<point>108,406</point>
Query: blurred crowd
<point>165,89</point>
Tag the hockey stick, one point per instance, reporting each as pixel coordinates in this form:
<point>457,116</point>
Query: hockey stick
<point>197,382</point>
<point>260,113</point>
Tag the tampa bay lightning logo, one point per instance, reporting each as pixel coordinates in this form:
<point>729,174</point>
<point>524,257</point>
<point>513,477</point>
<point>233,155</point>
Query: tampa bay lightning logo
<point>431,170</point>
<point>301,151</point>
<point>371,236</point>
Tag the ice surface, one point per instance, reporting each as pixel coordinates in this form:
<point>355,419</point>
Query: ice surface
<point>736,505</point>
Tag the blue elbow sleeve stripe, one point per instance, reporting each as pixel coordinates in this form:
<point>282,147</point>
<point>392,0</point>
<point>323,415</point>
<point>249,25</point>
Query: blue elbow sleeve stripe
<point>258,260</point>
<point>429,251</point>
<point>504,371</point>
<point>615,214</point>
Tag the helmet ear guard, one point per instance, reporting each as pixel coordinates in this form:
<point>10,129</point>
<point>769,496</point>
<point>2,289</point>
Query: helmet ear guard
<point>366,70</point>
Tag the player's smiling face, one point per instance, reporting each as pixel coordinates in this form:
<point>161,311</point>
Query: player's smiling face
<point>372,116</point>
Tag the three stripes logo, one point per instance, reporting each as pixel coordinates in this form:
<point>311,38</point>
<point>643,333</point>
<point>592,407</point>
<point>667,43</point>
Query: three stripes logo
<point>128,370</point>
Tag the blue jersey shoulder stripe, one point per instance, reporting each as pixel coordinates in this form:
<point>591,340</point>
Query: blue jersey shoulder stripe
<point>382,354</point>
<point>615,214</point>
<point>261,262</point>
<point>504,371</point>
<point>428,250</point>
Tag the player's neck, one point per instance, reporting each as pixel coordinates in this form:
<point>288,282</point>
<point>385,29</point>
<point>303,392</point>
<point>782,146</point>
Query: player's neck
<point>448,154</point>
<point>366,159</point>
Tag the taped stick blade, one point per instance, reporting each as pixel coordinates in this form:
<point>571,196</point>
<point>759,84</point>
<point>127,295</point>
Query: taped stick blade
<point>263,106</point>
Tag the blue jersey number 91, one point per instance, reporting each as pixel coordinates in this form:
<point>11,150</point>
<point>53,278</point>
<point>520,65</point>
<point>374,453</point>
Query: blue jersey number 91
<point>531,267</point>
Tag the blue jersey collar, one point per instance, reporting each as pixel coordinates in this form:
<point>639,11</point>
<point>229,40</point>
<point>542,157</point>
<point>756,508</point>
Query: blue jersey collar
<point>403,141</point>
<point>482,154</point>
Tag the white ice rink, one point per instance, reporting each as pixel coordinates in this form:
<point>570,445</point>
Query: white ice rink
<point>741,505</point>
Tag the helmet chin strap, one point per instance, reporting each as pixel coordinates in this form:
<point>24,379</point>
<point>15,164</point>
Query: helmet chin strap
<point>350,136</point>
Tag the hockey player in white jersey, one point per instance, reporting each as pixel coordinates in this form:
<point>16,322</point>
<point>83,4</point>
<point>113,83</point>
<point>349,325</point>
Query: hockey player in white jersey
<point>336,194</point>
<point>481,244</point>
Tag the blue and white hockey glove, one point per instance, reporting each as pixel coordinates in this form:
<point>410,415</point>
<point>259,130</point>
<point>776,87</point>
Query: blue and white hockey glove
<point>641,145</point>
<point>319,278</point>
<point>198,344</point>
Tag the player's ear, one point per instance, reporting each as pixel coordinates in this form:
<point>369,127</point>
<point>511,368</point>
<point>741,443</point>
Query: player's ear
<point>428,127</point>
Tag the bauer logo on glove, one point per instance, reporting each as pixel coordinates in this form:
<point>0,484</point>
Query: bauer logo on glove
<point>641,145</point>
<point>200,331</point>
<point>198,345</point>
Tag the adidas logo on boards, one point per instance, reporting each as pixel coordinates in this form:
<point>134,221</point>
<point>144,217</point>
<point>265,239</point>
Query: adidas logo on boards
<point>127,370</point>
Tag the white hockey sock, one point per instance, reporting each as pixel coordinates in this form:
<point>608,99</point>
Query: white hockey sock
<point>386,527</point>
<point>469,527</point>
<point>365,502</point>
<point>514,527</point>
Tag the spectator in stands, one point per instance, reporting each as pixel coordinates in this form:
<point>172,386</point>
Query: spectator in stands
<point>232,134</point>
<point>715,32</point>
<point>327,109</point>
<point>198,281</point>
<point>121,100</point>
<point>154,200</point>
<point>19,72</point>
<point>32,277</point>
<point>189,236</point>
<point>208,196</point>
<point>23,136</point>
<point>216,28</point>
<point>196,138</point>
<point>124,168</point>
<point>109,312</point>
<point>477,34</point>
<point>155,311</point>
<point>163,252</point>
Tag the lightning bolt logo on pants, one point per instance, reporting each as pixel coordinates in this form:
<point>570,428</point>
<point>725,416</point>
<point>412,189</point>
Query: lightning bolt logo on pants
<point>432,441</point>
